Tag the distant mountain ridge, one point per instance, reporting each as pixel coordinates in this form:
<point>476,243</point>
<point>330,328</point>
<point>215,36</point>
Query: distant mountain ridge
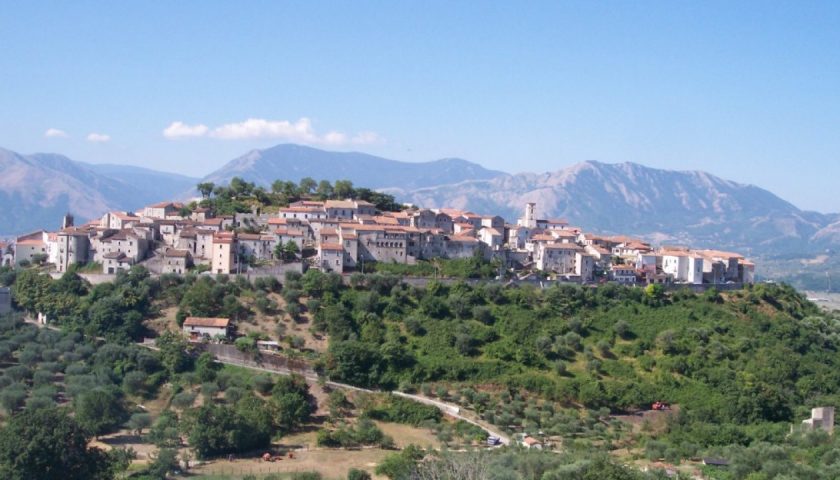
<point>37,190</point>
<point>294,162</point>
<point>673,207</point>
<point>688,207</point>
<point>154,184</point>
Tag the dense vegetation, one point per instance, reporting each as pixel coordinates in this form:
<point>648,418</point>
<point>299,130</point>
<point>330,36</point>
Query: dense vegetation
<point>48,374</point>
<point>240,196</point>
<point>475,267</point>
<point>740,367</point>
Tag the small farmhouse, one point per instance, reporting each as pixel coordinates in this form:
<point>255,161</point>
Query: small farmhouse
<point>204,328</point>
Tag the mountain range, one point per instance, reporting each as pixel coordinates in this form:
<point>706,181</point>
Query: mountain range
<point>674,207</point>
<point>37,190</point>
<point>294,162</point>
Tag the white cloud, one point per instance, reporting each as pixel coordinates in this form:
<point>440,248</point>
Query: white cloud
<point>98,138</point>
<point>335,138</point>
<point>55,133</point>
<point>300,131</point>
<point>366,138</point>
<point>181,129</point>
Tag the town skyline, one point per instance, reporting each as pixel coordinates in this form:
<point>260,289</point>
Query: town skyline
<point>747,92</point>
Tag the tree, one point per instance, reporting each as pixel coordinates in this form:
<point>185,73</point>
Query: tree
<point>307,185</point>
<point>165,431</point>
<point>622,328</point>
<point>218,429</point>
<point>400,465</point>
<point>470,466</point>
<point>324,190</point>
<point>205,188</point>
<point>139,421</point>
<point>206,367</point>
<point>134,383</point>
<point>99,411</point>
<point>354,362</point>
<point>165,461</point>
<point>47,444</point>
<point>356,474</point>
<point>240,188</point>
<point>31,289</point>
<point>337,404</point>
<point>290,250</point>
<point>291,402</point>
<point>655,292</point>
<point>343,189</point>
<point>278,251</point>
<point>173,354</point>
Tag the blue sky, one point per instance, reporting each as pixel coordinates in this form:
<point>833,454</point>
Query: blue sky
<point>746,90</point>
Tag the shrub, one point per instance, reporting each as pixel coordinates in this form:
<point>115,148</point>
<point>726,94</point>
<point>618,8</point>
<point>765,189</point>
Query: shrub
<point>402,410</point>
<point>184,400</point>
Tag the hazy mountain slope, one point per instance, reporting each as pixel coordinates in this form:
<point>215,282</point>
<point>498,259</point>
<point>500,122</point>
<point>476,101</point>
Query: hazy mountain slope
<point>679,207</point>
<point>667,206</point>
<point>293,162</point>
<point>37,190</point>
<point>154,185</point>
<point>828,235</point>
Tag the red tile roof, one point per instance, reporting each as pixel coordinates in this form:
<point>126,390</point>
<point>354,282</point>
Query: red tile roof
<point>175,253</point>
<point>331,247</point>
<point>206,322</point>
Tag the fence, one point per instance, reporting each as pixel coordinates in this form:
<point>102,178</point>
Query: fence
<point>266,361</point>
<point>241,471</point>
<point>421,282</point>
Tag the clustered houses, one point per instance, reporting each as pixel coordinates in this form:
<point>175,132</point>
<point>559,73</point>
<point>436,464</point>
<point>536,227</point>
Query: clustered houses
<point>346,234</point>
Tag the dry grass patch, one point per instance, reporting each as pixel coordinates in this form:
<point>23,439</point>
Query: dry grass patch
<point>329,463</point>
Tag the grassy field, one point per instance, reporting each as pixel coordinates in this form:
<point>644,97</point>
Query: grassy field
<point>330,463</point>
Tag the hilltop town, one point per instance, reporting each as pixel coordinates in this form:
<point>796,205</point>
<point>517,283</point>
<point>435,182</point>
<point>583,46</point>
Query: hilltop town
<point>346,235</point>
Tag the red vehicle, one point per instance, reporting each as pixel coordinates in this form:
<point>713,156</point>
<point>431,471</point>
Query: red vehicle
<point>660,406</point>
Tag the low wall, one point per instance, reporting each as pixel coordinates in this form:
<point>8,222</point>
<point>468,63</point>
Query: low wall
<point>268,361</point>
<point>540,283</point>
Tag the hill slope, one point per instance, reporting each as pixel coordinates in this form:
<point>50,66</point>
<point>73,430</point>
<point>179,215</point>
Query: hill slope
<point>294,162</point>
<point>153,184</point>
<point>37,190</point>
<point>679,207</point>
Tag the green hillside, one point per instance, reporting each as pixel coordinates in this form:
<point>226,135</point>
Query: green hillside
<point>573,363</point>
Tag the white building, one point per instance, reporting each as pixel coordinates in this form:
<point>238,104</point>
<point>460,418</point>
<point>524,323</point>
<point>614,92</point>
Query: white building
<point>683,267</point>
<point>163,210</point>
<point>822,418</point>
<point>27,247</point>
<point>530,219</point>
<point>331,257</point>
<point>72,248</point>
<point>623,274</point>
<point>557,257</point>
<point>205,328</point>
<point>176,261</point>
<point>491,237</point>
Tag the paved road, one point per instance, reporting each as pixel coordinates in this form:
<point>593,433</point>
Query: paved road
<point>447,408</point>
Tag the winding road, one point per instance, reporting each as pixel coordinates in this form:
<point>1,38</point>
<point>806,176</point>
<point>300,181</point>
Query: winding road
<point>311,376</point>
